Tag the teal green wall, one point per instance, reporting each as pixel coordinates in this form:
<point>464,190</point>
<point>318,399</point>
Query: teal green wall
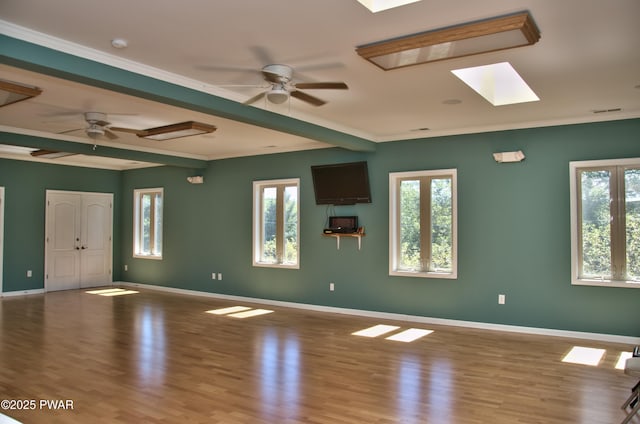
<point>513,222</point>
<point>25,186</point>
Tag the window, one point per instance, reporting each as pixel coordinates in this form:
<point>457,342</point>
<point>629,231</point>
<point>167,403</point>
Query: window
<point>423,224</point>
<point>276,223</point>
<point>605,222</point>
<point>147,223</point>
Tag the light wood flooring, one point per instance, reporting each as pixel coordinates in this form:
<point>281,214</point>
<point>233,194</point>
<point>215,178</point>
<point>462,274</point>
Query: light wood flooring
<point>156,357</point>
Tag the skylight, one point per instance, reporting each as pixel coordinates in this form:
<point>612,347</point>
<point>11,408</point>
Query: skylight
<point>380,5</point>
<point>498,83</point>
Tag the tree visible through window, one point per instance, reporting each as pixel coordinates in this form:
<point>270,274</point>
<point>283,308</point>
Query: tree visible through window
<point>423,222</point>
<point>148,223</point>
<point>276,223</point>
<point>606,222</point>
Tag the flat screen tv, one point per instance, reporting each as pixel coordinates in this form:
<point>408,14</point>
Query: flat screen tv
<point>341,184</point>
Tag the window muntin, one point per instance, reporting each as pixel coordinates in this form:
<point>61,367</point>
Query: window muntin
<point>147,227</point>
<point>276,223</point>
<point>605,222</point>
<point>423,224</point>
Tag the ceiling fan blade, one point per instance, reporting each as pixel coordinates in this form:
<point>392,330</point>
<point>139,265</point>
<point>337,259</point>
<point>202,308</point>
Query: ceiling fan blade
<point>255,98</point>
<point>272,77</point>
<point>110,134</point>
<point>322,85</point>
<point>307,98</point>
<point>262,54</point>
<point>70,131</point>
<point>127,130</point>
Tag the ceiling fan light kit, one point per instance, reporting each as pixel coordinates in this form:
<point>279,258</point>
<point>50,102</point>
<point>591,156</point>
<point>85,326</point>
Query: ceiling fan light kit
<point>278,95</point>
<point>484,36</point>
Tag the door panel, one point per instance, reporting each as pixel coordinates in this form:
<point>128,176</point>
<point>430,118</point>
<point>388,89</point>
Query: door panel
<point>95,254</point>
<point>78,242</point>
<point>63,242</point>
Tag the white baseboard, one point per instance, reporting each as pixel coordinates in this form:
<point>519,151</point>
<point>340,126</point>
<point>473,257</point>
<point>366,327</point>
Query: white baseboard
<point>21,293</point>
<point>612,338</point>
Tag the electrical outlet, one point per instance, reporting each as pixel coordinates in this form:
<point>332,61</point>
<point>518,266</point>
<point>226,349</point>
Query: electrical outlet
<point>29,274</point>
<point>126,267</point>
<point>213,275</point>
<point>332,287</point>
<point>502,299</point>
<point>219,276</point>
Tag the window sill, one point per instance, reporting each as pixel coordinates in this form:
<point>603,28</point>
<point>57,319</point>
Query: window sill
<point>435,275</point>
<point>607,283</point>
<point>156,258</point>
<point>269,265</point>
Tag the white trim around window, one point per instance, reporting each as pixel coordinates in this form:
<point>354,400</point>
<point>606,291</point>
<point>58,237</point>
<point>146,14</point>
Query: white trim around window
<point>414,251</point>
<point>276,223</point>
<point>148,205</point>
<point>605,204</point>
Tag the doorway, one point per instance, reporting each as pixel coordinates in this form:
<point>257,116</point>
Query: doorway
<point>78,240</point>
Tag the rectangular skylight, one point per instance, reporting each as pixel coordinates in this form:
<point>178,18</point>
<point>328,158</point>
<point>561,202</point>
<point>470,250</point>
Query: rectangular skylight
<point>380,5</point>
<point>409,335</point>
<point>376,330</point>
<point>498,83</point>
<point>584,356</point>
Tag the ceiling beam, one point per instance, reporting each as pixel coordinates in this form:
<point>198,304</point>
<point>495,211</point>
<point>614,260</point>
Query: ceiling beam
<point>44,143</point>
<point>44,60</point>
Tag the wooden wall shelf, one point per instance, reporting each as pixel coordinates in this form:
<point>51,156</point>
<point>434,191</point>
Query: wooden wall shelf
<point>338,236</point>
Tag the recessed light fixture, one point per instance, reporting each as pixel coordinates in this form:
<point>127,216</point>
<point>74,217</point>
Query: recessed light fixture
<point>380,5</point>
<point>452,102</point>
<point>498,83</point>
<point>119,43</point>
<point>463,40</point>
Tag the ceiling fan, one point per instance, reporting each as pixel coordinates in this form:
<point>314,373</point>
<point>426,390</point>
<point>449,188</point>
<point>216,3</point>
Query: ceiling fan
<point>280,77</point>
<point>97,126</point>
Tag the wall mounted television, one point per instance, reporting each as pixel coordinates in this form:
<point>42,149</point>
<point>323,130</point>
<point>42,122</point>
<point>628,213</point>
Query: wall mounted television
<point>341,183</point>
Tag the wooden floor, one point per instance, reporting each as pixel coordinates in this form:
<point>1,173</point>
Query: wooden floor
<point>155,357</point>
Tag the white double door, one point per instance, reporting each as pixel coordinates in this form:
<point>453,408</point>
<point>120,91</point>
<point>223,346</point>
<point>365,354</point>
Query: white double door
<point>78,240</point>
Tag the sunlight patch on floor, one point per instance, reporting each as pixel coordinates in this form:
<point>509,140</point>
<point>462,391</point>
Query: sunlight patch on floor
<point>229,310</point>
<point>250,313</point>
<point>239,312</point>
<point>622,359</point>
<point>584,356</point>
<point>376,330</point>
<point>409,335</point>
<point>111,292</point>
<point>405,336</point>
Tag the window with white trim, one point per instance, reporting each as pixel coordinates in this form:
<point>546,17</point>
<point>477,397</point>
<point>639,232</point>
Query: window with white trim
<point>605,222</point>
<point>276,219</point>
<point>147,223</point>
<point>423,224</point>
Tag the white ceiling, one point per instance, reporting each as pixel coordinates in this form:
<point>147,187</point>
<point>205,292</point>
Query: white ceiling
<point>588,59</point>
